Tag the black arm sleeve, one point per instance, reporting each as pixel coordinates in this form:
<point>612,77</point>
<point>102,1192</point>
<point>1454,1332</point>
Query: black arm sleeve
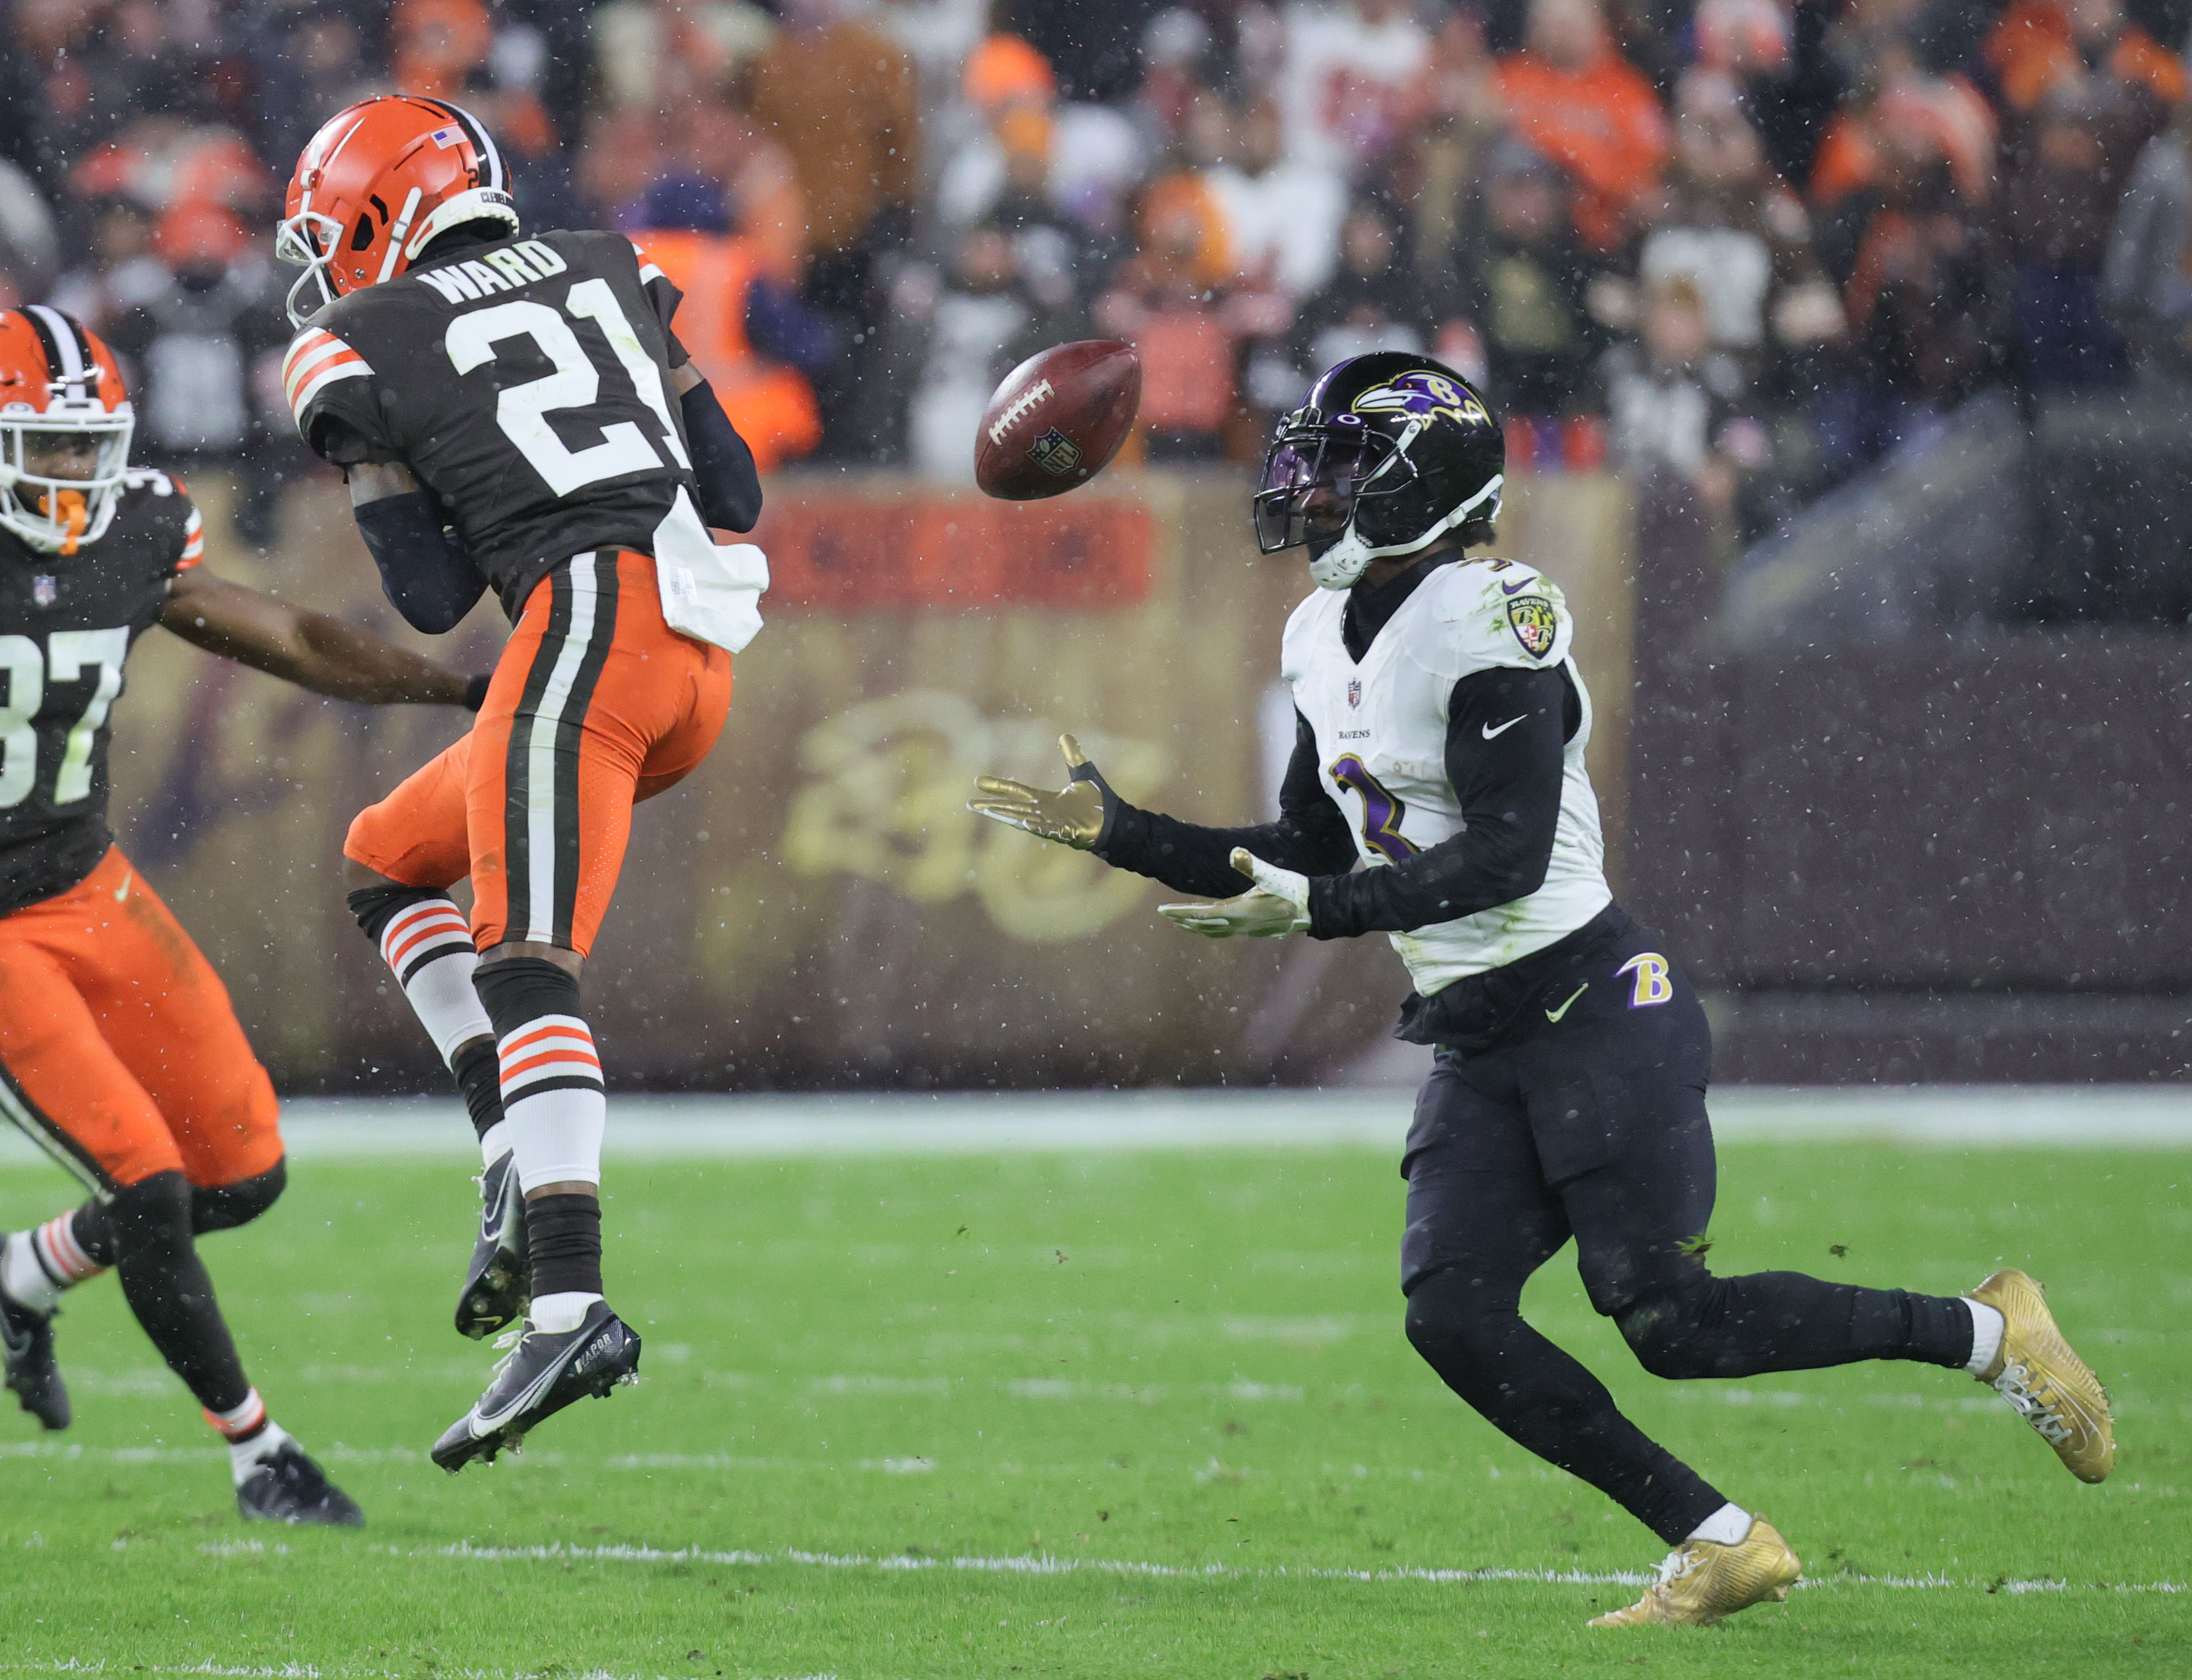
<point>1506,734</point>
<point>730,488</point>
<point>424,571</point>
<point>1311,835</point>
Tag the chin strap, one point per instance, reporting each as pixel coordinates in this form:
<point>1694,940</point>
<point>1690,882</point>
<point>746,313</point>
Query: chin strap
<point>1340,566</point>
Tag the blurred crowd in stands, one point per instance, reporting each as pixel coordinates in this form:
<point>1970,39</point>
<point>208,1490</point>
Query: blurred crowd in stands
<point>1751,244</point>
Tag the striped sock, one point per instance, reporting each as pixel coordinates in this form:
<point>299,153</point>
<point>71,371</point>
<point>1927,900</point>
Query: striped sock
<point>552,1100</point>
<point>241,1421</point>
<point>252,1437</point>
<point>37,1265</point>
<point>428,947</point>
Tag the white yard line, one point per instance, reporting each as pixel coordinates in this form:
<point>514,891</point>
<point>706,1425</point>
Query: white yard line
<point>765,1127</point>
<point>1043,1564</point>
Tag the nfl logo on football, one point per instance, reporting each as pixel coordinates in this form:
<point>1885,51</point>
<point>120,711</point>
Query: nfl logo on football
<point>43,590</point>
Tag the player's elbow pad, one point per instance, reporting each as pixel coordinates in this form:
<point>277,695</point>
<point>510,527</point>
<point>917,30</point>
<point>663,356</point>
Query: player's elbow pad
<point>424,571</point>
<point>730,488</point>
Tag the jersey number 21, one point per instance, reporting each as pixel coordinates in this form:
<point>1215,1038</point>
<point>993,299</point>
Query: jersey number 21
<point>523,410</point>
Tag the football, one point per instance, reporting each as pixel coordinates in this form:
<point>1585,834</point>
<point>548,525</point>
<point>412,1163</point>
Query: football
<point>1058,419</point>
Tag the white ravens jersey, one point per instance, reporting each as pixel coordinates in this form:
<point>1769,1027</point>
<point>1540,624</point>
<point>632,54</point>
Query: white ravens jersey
<point>1381,737</point>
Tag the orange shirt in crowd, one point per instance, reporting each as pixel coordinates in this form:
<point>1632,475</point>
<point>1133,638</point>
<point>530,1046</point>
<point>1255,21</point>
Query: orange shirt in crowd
<point>772,404</point>
<point>1941,117</point>
<point>842,101</point>
<point>1602,124</point>
<point>2034,48</point>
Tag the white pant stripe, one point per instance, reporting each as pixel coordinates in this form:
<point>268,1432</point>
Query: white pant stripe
<point>541,757</point>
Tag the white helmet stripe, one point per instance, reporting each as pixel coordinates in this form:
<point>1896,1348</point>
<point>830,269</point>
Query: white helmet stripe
<point>63,332</point>
<point>475,131</point>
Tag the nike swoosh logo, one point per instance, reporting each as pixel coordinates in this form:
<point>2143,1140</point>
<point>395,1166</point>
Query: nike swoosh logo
<point>122,891</point>
<point>1489,731</point>
<point>1514,589</point>
<point>1555,1014</point>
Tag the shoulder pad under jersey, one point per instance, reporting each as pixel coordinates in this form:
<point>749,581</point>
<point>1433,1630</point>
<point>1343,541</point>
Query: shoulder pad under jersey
<point>1482,614</point>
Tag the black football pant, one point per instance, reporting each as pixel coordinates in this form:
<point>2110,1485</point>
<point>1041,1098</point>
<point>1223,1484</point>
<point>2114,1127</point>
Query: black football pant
<point>1593,1126</point>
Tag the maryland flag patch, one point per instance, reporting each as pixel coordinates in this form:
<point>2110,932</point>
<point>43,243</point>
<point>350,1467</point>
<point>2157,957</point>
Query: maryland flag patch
<point>1536,626</point>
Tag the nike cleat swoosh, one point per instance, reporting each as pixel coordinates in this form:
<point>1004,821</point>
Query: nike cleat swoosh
<point>1554,1015</point>
<point>1489,731</point>
<point>121,892</point>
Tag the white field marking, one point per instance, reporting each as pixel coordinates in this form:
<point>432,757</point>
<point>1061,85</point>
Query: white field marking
<point>736,1464</point>
<point>773,1127</point>
<point>1043,1564</point>
<point>305,1670</point>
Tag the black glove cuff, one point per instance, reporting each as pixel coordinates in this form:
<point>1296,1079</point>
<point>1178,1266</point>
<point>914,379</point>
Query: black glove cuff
<point>475,691</point>
<point>1112,803</point>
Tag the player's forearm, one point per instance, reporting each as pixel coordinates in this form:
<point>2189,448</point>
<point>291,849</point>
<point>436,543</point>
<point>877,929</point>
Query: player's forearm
<point>334,658</point>
<point>1311,837</point>
<point>1189,857</point>
<point>1491,865</point>
<point>723,466</point>
<point>424,571</point>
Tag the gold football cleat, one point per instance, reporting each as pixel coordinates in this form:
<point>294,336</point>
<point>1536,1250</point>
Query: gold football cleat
<point>2053,1389</point>
<point>1705,1580</point>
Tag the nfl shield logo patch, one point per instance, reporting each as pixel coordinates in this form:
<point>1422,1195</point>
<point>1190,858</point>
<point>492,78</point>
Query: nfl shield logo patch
<point>1055,452</point>
<point>44,590</point>
<point>1355,691</point>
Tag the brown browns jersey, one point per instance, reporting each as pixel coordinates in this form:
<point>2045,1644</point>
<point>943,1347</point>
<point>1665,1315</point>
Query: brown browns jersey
<point>67,622</point>
<point>523,381</point>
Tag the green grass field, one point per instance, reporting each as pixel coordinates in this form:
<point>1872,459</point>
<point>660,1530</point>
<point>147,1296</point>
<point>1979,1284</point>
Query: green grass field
<point>1104,1414</point>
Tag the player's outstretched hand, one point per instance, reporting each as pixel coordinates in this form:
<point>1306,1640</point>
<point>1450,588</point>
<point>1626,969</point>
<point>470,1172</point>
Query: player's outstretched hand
<point>1073,816</point>
<point>1277,903</point>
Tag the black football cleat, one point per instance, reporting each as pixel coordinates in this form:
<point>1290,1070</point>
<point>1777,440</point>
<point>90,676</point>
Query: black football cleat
<point>289,1487</point>
<point>498,1286</point>
<point>33,1374</point>
<point>544,1373</point>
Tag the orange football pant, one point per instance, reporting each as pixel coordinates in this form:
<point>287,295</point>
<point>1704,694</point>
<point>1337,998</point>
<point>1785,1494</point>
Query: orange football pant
<point>595,704</point>
<point>119,1051</point>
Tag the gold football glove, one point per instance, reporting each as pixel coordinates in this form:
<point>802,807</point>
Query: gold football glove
<point>1074,816</point>
<point>1278,903</point>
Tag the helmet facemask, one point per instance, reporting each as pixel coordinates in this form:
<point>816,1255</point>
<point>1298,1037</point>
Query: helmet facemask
<point>309,239</point>
<point>50,511</point>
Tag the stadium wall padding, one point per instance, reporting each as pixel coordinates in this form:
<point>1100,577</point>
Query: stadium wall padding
<point>815,908</point>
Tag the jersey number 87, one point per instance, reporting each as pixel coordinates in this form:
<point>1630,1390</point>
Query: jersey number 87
<point>23,666</point>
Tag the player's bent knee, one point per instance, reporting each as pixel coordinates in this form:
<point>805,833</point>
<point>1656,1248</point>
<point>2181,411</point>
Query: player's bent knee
<point>1451,1319</point>
<point>150,1215</point>
<point>1661,1328</point>
<point>223,1207</point>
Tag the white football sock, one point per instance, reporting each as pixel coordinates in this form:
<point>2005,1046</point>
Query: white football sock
<point>429,949</point>
<point>25,1282</point>
<point>37,1266</point>
<point>552,1101</point>
<point>1727,1526</point>
<point>563,1312</point>
<point>1987,1326</point>
<point>495,1143</point>
<point>244,1457</point>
